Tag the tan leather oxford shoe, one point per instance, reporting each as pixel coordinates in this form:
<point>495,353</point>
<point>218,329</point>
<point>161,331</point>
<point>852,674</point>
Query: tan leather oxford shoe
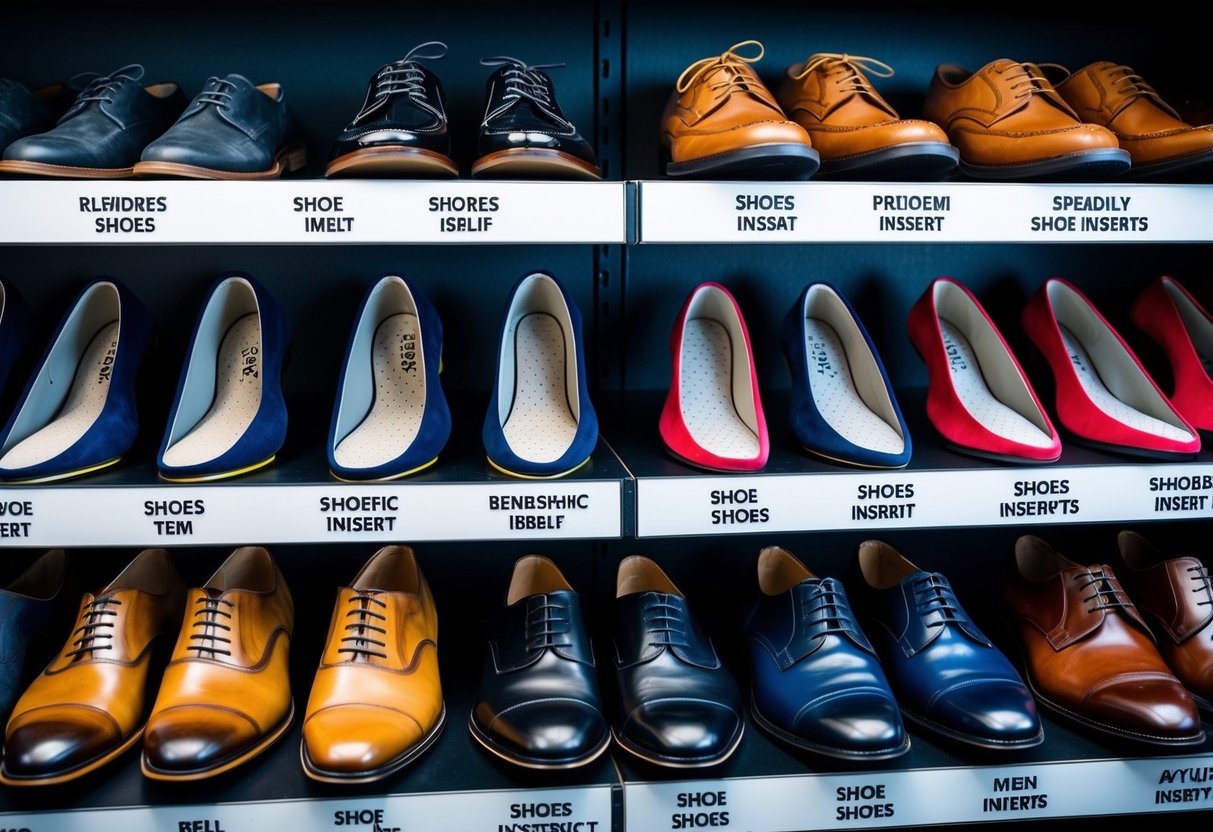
<point>226,694</point>
<point>376,702</point>
<point>91,702</point>
<point>1009,123</point>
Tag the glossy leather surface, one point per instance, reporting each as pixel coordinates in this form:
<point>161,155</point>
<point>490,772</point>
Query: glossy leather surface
<point>24,111</point>
<point>1169,314</point>
<point>101,135</point>
<point>1088,654</point>
<point>948,676</point>
<point>226,694</point>
<point>35,608</point>
<point>538,704</point>
<point>376,700</point>
<point>1009,123</point>
<point>678,704</point>
<point>90,703</point>
<point>816,681</point>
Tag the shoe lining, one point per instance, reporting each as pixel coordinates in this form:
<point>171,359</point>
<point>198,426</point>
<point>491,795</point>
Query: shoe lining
<point>837,399</point>
<point>399,404</point>
<point>541,425</point>
<point>705,392</point>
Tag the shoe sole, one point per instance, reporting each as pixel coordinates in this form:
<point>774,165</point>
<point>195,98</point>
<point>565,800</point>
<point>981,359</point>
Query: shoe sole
<point>63,171</point>
<point>223,475</point>
<point>760,162</point>
<point>1081,166</point>
<point>917,160</point>
<point>676,762</point>
<point>286,160</point>
<point>78,472</point>
<point>392,162</point>
<point>825,750</point>
<point>530,762</point>
<point>533,163</point>
<point>1182,164</point>
<point>387,478</point>
<point>154,773</point>
<point>555,476</point>
<point>325,776</point>
<point>9,779</point>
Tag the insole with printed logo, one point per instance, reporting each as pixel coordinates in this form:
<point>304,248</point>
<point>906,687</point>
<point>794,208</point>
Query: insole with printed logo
<point>238,368</point>
<point>84,402</point>
<point>834,393</point>
<point>540,426</point>
<point>970,386</point>
<point>395,415</point>
<point>1106,400</point>
<point>706,391</point>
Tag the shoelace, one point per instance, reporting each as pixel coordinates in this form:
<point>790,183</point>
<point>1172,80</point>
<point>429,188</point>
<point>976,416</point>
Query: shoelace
<point>855,65</point>
<point>207,617</point>
<point>735,80</point>
<point>1200,575</point>
<point>220,95</point>
<point>94,617</point>
<point>405,76</point>
<point>664,620</point>
<point>1106,594</point>
<point>547,625</point>
<point>827,611</point>
<point>933,594</point>
<point>96,87</point>
<point>523,80</point>
<point>362,640</point>
<point>1027,79</point>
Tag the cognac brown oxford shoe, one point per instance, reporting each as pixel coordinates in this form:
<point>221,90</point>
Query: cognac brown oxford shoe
<point>91,702</point>
<point>376,701</point>
<point>854,130</point>
<point>721,122</point>
<point>1009,123</point>
<point>1088,654</point>
<point>226,695</point>
<point>1157,138</point>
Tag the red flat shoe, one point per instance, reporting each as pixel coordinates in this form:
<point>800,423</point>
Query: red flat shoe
<point>978,398</point>
<point>713,416</point>
<point>1104,396</point>
<point>1168,313</point>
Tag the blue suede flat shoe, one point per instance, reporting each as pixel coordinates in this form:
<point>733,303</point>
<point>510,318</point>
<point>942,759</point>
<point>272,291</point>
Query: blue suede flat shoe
<point>391,418</point>
<point>540,423</point>
<point>60,430</point>
<point>843,407</point>
<point>229,416</point>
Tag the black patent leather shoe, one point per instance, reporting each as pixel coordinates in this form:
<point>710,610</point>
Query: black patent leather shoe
<point>678,705</point>
<point>525,134</point>
<point>232,129</point>
<point>538,705</point>
<point>401,130</point>
<point>24,112</point>
<point>101,135</point>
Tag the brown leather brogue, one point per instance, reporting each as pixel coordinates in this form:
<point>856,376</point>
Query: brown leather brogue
<point>1157,138</point>
<point>854,130</point>
<point>376,701</point>
<point>226,694</point>
<point>1009,123</point>
<point>721,122</point>
<point>1175,598</point>
<point>1088,654</point>
<point>90,704</point>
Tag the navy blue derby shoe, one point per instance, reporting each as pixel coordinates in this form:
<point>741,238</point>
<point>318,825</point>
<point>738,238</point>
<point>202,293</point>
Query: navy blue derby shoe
<point>817,683</point>
<point>229,415</point>
<point>540,422</point>
<point>843,407</point>
<point>678,706</point>
<point>391,417</point>
<point>232,129</point>
<point>58,430</point>
<point>525,134</point>
<point>402,129</point>
<point>538,704</point>
<point>24,112</point>
<point>35,610</point>
<point>949,678</point>
<point>102,133</point>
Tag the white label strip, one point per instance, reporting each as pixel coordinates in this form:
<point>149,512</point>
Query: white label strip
<point>312,211</point>
<point>732,212</point>
<point>697,505</point>
<point>931,797</point>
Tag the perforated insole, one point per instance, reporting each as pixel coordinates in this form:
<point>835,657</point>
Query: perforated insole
<point>1106,400</point>
<point>540,426</point>
<point>706,391</point>
<point>971,388</point>
<point>395,415</point>
<point>84,402</point>
<point>834,393</point>
<point>238,381</point>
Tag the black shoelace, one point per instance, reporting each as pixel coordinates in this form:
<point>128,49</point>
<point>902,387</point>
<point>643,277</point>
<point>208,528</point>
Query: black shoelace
<point>362,642</point>
<point>1106,592</point>
<point>664,620</point>
<point>96,614</point>
<point>1200,575</point>
<point>934,596</point>
<point>96,87</point>
<point>405,76</point>
<point>207,616</point>
<point>547,625</point>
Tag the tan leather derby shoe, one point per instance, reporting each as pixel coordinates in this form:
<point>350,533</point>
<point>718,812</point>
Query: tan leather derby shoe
<point>376,702</point>
<point>854,130</point>
<point>1157,138</point>
<point>1009,123</point>
<point>1088,655</point>
<point>226,695</point>
<point>91,702</point>
<point>721,122</point>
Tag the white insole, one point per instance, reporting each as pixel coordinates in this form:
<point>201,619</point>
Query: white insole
<point>834,393</point>
<point>540,426</point>
<point>706,392</point>
<point>80,410</point>
<point>395,415</point>
<point>238,369</point>
<point>971,388</point>
<point>1106,400</point>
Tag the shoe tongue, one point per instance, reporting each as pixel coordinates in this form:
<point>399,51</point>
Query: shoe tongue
<point>131,71</point>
